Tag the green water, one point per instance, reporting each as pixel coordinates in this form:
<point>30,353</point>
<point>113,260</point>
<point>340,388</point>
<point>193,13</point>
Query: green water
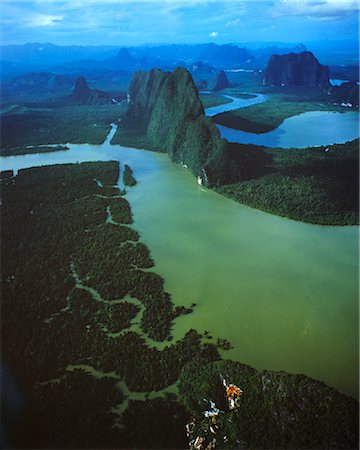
<point>284,293</point>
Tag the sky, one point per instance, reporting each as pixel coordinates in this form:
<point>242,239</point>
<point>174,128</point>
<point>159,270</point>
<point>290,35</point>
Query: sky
<point>137,22</point>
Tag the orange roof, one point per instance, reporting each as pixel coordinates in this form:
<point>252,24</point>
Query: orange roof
<point>233,391</point>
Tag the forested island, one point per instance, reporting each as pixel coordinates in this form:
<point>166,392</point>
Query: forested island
<point>33,149</point>
<point>316,185</point>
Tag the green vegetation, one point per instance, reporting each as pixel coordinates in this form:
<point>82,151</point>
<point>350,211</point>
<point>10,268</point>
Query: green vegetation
<point>166,416</point>
<point>316,185</point>
<point>14,108</point>
<point>42,86</point>
<point>6,177</point>
<point>85,324</point>
<point>277,409</point>
<point>128,176</point>
<point>210,100</point>
<point>246,81</point>
<point>79,403</point>
<point>27,150</point>
<point>75,293</point>
<point>60,125</point>
<point>267,116</point>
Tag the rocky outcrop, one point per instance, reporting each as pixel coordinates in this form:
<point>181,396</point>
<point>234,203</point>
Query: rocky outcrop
<point>84,95</point>
<point>165,114</point>
<point>276,410</point>
<point>220,81</point>
<point>128,176</point>
<point>347,93</point>
<point>301,69</point>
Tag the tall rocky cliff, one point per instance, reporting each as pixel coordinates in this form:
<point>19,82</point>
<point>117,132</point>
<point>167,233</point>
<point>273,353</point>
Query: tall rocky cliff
<point>301,69</point>
<point>220,81</point>
<point>83,94</point>
<point>165,114</point>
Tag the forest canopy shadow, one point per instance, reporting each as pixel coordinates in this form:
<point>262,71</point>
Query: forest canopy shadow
<point>247,162</point>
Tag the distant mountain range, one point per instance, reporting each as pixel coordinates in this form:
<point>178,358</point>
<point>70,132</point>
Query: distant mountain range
<point>263,53</point>
<point>37,54</point>
<point>38,71</point>
<point>19,59</point>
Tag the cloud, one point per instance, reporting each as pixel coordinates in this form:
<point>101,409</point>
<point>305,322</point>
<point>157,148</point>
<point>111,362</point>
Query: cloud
<point>137,2</point>
<point>271,28</point>
<point>42,20</point>
<point>135,22</point>
<point>318,10</point>
<point>317,3</point>
<point>233,23</point>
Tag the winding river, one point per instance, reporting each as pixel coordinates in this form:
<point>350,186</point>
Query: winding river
<point>235,103</point>
<point>284,293</point>
<point>313,128</point>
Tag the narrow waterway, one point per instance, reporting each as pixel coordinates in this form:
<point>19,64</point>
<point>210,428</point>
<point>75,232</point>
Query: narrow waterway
<point>235,103</point>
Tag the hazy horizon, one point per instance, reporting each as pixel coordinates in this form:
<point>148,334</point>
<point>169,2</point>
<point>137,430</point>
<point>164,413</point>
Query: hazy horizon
<point>254,44</point>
